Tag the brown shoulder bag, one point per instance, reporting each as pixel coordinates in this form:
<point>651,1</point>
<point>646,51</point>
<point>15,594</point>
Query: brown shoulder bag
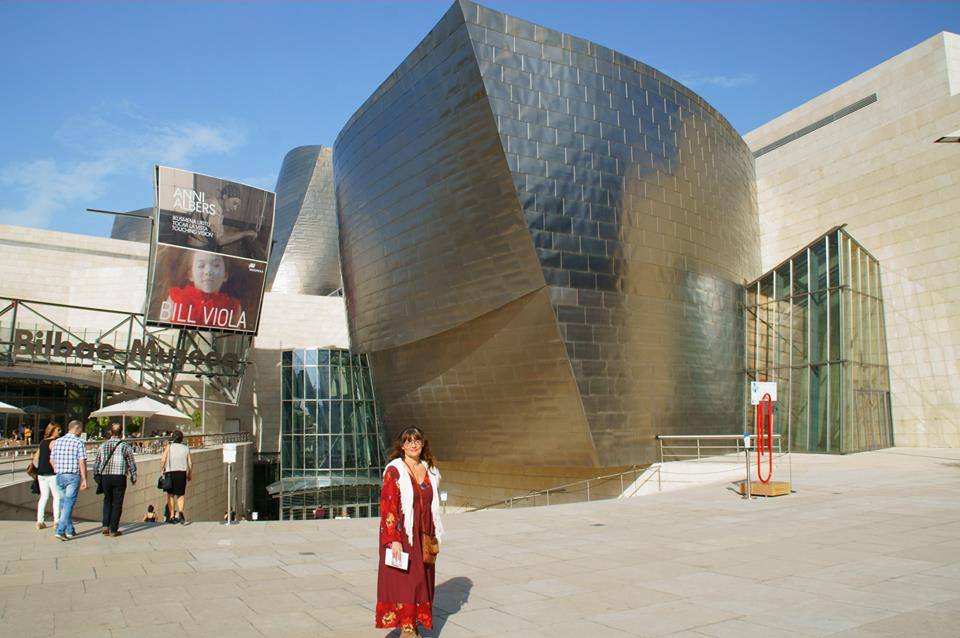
<point>429,544</point>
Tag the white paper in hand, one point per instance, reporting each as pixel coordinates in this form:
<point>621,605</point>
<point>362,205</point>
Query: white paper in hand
<point>401,563</point>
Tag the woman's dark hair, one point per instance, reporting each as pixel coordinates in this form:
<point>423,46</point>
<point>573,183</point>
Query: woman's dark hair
<point>412,434</point>
<point>150,508</point>
<point>177,437</point>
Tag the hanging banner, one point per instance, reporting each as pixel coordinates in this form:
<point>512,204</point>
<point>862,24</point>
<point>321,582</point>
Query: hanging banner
<point>211,245</point>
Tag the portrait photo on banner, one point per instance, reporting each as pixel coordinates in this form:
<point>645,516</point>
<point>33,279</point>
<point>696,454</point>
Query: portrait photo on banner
<point>207,213</point>
<point>205,289</point>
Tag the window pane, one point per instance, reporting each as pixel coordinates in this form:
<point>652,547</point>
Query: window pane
<point>817,436</point>
<point>834,249</point>
<point>798,408</point>
<point>310,452</point>
<point>323,452</point>
<point>818,327</point>
<point>312,381</point>
<point>349,418</point>
<point>323,417</point>
<point>296,454</point>
<point>766,288</point>
<point>323,382</point>
<point>799,352</point>
<point>782,281</point>
<point>299,412</point>
<point>818,266</point>
<point>323,357</point>
<point>836,406</point>
<point>349,452</point>
<point>310,357</point>
<point>835,330</point>
<point>364,452</point>
<point>310,419</point>
<point>800,277</point>
<point>335,419</point>
<point>298,383</point>
<point>336,452</point>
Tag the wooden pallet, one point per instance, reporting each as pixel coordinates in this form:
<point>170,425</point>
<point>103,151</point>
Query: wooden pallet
<point>773,488</point>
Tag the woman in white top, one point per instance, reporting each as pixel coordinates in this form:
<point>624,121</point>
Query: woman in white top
<point>177,464</point>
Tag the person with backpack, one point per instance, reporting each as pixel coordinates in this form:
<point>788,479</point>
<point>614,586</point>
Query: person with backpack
<point>114,461</point>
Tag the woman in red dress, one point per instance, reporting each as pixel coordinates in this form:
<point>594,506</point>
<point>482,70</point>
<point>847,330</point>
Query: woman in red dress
<point>409,508</point>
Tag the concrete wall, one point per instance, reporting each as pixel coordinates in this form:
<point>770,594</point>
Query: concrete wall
<point>79,270</point>
<point>879,171</point>
<point>206,498</point>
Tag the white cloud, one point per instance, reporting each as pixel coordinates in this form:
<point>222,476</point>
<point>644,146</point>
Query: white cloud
<point>722,81</point>
<point>126,145</point>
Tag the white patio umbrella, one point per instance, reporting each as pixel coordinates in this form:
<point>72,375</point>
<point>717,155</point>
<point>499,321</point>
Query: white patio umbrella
<point>6,408</point>
<point>143,406</point>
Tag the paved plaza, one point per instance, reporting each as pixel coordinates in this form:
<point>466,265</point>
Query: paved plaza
<point>869,546</point>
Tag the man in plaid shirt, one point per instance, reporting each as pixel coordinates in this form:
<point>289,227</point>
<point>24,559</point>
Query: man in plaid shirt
<point>69,460</point>
<point>114,462</point>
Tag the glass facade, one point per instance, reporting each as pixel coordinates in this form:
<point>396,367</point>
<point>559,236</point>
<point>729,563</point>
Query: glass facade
<point>332,445</point>
<point>815,325</point>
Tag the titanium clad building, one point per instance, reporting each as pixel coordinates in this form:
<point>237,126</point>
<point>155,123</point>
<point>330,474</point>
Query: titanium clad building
<point>542,245</point>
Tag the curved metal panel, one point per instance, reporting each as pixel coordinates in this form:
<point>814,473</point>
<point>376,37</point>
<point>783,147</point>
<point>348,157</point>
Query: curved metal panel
<point>497,388</point>
<point>640,199</point>
<point>305,258</point>
<point>431,232</point>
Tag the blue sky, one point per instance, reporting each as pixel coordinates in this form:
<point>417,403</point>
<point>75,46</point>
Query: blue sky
<point>96,93</point>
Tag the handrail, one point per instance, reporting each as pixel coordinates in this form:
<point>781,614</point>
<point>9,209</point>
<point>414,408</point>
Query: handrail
<point>15,459</point>
<point>705,450</point>
<point>566,486</point>
<point>725,437</point>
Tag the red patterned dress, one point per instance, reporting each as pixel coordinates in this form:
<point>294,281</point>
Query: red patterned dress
<point>405,598</point>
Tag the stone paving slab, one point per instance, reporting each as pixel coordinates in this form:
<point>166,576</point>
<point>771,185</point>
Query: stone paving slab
<point>867,547</point>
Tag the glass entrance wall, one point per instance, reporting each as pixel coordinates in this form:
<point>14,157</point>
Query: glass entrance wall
<point>815,325</point>
<point>332,444</point>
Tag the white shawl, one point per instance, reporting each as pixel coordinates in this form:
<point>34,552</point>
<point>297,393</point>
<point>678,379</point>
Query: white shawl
<point>406,497</point>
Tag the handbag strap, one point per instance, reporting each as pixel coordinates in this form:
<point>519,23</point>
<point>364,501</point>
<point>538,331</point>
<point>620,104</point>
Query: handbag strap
<point>109,456</point>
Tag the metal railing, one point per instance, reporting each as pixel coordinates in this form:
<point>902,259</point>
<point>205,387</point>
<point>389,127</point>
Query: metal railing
<point>15,459</point>
<point>715,447</point>
<point>120,330</point>
<point>603,488</point>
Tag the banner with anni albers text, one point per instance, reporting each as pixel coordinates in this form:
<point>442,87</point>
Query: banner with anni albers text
<point>212,242</point>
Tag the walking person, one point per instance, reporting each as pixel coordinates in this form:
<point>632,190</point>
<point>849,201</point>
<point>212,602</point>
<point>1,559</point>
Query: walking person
<point>409,524</point>
<point>69,460</point>
<point>177,464</point>
<point>114,461</point>
<point>46,477</point>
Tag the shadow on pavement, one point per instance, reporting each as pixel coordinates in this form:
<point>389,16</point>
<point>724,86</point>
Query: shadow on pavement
<point>127,529</point>
<point>448,598</point>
